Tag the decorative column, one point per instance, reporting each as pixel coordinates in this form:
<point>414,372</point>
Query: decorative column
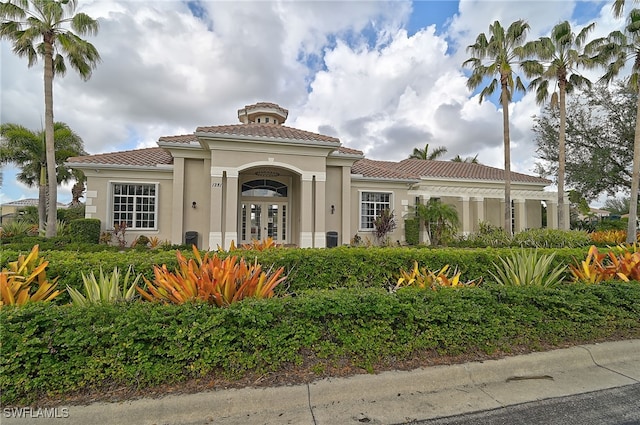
<point>306,211</point>
<point>552,213</point>
<point>465,220</point>
<point>231,208</point>
<point>520,215</point>
<point>215,219</point>
<point>345,237</point>
<point>478,209</point>
<point>425,238</point>
<point>177,205</point>
<point>319,235</point>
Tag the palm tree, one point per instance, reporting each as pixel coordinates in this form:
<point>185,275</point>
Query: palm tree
<point>438,218</point>
<point>26,149</point>
<point>468,160</point>
<point>495,57</point>
<point>558,58</point>
<point>425,154</point>
<point>619,48</point>
<point>38,28</point>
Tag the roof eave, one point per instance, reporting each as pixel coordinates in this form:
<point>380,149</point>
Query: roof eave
<point>97,166</point>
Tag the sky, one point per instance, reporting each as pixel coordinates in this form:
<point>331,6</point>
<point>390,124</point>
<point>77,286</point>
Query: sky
<point>384,77</point>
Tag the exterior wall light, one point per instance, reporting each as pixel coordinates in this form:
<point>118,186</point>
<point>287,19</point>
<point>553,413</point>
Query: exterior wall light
<point>193,204</point>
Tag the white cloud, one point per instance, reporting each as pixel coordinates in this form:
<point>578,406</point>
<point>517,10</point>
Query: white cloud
<point>349,69</point>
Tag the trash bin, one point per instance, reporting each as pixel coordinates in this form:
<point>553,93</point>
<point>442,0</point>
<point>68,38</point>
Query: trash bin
<point>332,239</point>
<point>191,238</point>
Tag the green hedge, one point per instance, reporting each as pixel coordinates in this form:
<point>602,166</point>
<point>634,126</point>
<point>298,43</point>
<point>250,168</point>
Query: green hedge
<point>307,269</point>
<point>85,230</point>
<point>57,350</point>
<point>412,231</point>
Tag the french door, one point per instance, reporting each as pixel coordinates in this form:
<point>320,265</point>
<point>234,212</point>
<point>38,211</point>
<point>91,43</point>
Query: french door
<point>262,220</point>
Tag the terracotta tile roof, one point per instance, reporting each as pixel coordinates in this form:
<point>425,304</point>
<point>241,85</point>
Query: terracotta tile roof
<point>185,138</point>
<point>348,151</point>
<point>417,168</point>
<point>380,169</point>
<point>267,131</point>
<point>268,105</point>
<point>149,157</point>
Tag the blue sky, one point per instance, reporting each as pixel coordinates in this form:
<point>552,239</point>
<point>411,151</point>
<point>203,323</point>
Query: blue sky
<point>384,77</point>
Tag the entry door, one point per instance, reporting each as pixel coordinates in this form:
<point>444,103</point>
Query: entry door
<point>262,220</point>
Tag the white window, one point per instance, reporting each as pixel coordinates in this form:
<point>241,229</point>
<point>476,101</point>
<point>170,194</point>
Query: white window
<point>135,204</point>
<point>371,206</point>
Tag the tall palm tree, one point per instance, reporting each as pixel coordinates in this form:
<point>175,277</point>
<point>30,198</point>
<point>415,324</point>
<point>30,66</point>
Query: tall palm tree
<point>495,57</point>
<point>26,149</point>
<point>619,48</point>
<point>468,160</point>
<point>425,154</point>
<point>39,28</point>
<point>557,60</point>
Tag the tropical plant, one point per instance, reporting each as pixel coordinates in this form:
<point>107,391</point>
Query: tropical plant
<point>528,267</point>
<point>619,48</point>
<point>256,245</point>
<point>557,59</point>
<point>39,28</point>
<point>384,224</point>
<point>216,281</point>
<point>17,283</point>
<point>439,218</point>
<point>27,150</point>
<point>608,237</point>
<point>495,57</point>
<point>108,288</point>
<point>17,227</point>
<point>621,262</point>
<point>425,154</point>
<point>427,279</point>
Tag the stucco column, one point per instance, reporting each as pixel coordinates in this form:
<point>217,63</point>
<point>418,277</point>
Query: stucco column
<point>425,238</point>
<point>345,237</point>
<point>177,203</point>
<point>552,213</point>
<point>319,235</point>
<point>520,214</point>
<point>231,208</point>
<point>465,219</point>
<point>216,205</point>
<point>478,211</point>
<point>306,211</point>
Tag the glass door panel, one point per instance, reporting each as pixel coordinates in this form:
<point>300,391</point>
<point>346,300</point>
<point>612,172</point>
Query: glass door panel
<point>259,221</point>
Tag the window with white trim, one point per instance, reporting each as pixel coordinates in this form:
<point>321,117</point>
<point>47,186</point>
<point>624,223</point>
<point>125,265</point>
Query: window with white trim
<point>135,204</point>
<point>371,206</point>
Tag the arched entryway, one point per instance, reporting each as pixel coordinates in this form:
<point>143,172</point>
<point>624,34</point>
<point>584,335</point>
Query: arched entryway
<point>266,205</point>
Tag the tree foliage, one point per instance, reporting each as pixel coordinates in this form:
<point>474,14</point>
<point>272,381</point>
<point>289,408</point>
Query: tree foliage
<point>599,140</point>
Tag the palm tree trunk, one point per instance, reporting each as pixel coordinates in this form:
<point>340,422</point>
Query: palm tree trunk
<point>48,137</point>
<point>561,156</point>
<point>507,157</point>
<point>635,181</point>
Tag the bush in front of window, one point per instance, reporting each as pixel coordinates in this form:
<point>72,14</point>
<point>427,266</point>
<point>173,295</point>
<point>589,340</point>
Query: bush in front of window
<point>85,230</point>
<point>412,231</point>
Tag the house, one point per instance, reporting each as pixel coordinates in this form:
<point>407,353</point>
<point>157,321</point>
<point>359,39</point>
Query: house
<point>10,210</point>
<point>260,179</point>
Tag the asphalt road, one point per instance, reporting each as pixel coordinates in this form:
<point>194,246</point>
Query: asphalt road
<point>616,406</point>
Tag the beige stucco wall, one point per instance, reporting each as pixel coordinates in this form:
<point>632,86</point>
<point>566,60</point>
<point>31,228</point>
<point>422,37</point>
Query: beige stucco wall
<point>98,197</point>
<point>196,189</point>
<point>400,199</point>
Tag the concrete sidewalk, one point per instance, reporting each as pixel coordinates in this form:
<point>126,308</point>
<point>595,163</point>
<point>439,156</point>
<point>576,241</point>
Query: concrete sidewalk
<point>386,398</point>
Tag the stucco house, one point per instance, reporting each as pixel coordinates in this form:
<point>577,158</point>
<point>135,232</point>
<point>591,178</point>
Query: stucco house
<point>260,179</point>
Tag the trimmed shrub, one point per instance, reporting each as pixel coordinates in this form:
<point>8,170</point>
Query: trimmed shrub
<point>552,238</point>
<point>412,231</point>
<point>59,350</point>
<point>85,230</point>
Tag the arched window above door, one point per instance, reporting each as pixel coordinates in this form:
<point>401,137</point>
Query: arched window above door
<point>264,188</point>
